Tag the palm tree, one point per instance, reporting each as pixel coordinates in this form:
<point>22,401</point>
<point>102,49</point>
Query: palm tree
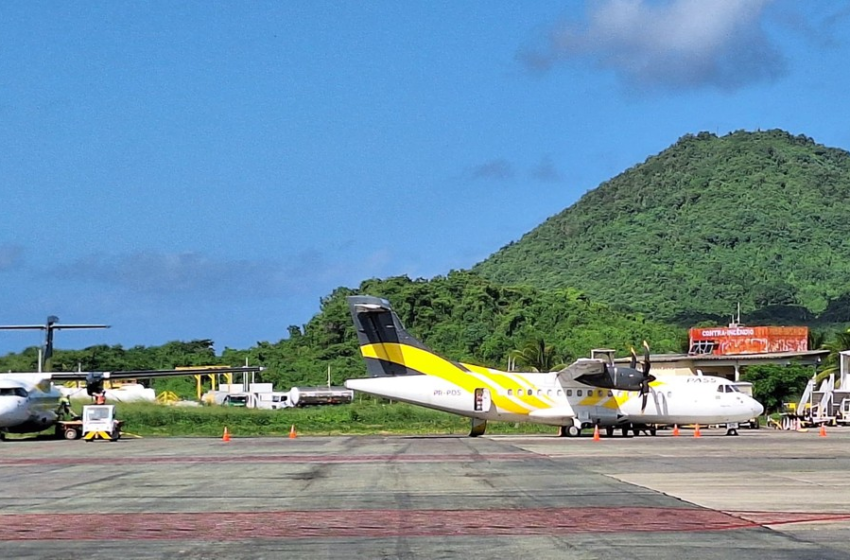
<point>832,364</point>
<point>536,356</point>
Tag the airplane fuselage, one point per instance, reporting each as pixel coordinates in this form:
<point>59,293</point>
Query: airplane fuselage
<point>28,403</point>
<point>546,399</point>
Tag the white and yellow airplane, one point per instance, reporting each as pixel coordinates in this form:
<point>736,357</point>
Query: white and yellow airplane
<point>29,402</point>
<point>589,392</point>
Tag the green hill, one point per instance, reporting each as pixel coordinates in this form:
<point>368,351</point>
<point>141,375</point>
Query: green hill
<point>756,218</point>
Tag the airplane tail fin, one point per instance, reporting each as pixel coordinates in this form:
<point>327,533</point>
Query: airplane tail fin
<point>389,350</point>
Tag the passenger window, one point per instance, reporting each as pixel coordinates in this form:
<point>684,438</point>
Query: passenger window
<point>560,392</point>
<point>599,393</point>
<point>510,392</point>
<point>578,392</point>
<point>530,392</point>
<point>610,393</point>
<point>569,392</point>
<point>539,392</point>
<point>549,392</point>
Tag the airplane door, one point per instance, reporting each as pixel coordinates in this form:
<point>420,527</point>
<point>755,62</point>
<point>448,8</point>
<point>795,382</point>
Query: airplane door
<point>482,400</point>
<point>658,402</point>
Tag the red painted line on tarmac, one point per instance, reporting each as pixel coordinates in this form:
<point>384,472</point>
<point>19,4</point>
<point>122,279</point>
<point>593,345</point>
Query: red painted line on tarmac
<point>788,517</point>
<point>267,458</point>
<point>359,523</point>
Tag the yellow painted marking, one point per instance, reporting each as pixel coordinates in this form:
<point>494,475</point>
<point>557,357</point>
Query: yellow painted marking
<point>97,435</point>
<point>498,382</point>
<point>431,364</point>
<point>612,404</point>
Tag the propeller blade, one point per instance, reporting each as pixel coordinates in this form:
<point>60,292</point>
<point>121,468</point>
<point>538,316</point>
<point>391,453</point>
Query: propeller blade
<point>644,384</point>
<point>634,358</point>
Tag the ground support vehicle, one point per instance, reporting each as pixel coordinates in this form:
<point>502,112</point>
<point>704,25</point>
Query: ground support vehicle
<point>97,422</point>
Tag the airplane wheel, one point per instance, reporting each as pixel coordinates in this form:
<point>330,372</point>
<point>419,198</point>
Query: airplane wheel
<point>635,431</point>
<point>624,431</point>
<point>653,431</point>
<point>609,431</point>
<point>573,431</point>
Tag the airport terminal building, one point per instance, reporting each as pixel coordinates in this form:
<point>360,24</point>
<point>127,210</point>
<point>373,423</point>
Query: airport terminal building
<point>723,351</point>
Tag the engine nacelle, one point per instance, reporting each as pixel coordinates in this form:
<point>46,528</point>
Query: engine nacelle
<point>94,383</point>
<point>620,378</point>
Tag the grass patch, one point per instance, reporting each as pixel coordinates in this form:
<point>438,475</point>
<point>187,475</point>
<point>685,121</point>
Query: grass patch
<point>368,417</point>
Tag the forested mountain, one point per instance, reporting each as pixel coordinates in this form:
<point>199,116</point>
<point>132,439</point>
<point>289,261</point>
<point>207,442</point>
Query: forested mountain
<point>752,218</point>
<point>756,218</point>
<point>461,315</point>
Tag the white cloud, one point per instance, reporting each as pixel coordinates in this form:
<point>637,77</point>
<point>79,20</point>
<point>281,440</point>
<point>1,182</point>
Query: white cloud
<point>679,44</point>
<point>499,169</point>
<point>185,273</point>
<point>545,171</point>
<point>11,257</point>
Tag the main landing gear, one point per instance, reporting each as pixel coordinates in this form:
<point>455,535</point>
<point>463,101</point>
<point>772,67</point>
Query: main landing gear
<point>625,430</point>
<point>478,427</point>
<point>569,431</point>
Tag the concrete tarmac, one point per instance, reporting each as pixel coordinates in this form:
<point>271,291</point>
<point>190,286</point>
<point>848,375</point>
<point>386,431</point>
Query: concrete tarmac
<point>762,495</point>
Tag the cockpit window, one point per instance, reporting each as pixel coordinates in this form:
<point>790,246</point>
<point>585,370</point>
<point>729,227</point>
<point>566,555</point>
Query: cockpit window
<point>13,392</point>
<point>727,389</point>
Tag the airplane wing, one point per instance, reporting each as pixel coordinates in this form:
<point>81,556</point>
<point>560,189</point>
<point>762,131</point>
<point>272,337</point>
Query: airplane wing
<point>582,366</point>
<point>145,373</point>
<point>44,327</point>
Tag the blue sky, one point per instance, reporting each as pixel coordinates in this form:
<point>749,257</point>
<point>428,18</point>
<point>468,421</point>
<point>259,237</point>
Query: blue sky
<point>212,169</point>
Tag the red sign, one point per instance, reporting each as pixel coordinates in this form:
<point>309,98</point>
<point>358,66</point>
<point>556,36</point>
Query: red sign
<point>725,341</point>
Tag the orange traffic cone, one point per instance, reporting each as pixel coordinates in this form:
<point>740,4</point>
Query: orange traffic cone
<point>675,430</point>
<point>822,432</point>
<point>226,436</point>
<point>696,431</point>
<point>292,432</point>
<point>596,433</point>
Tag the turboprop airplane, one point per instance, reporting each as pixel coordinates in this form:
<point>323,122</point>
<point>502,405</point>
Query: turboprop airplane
<point>589,392</point>
<point>29,401</point>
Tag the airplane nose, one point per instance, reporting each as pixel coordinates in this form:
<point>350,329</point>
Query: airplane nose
<point>8,413</point>
<point>756,407</point>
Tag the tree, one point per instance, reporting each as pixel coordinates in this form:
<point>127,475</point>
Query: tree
<point>773,384</point>
<point>840,342</point>
<point>537,356</point>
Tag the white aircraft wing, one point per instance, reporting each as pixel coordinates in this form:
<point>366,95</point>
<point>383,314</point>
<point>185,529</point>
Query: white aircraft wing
<point>582,366</point>
<point>146,373</point>
<point>44,327</point>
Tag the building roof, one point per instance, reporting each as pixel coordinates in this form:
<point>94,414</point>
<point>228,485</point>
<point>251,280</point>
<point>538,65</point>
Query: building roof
<point>809,357</point>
